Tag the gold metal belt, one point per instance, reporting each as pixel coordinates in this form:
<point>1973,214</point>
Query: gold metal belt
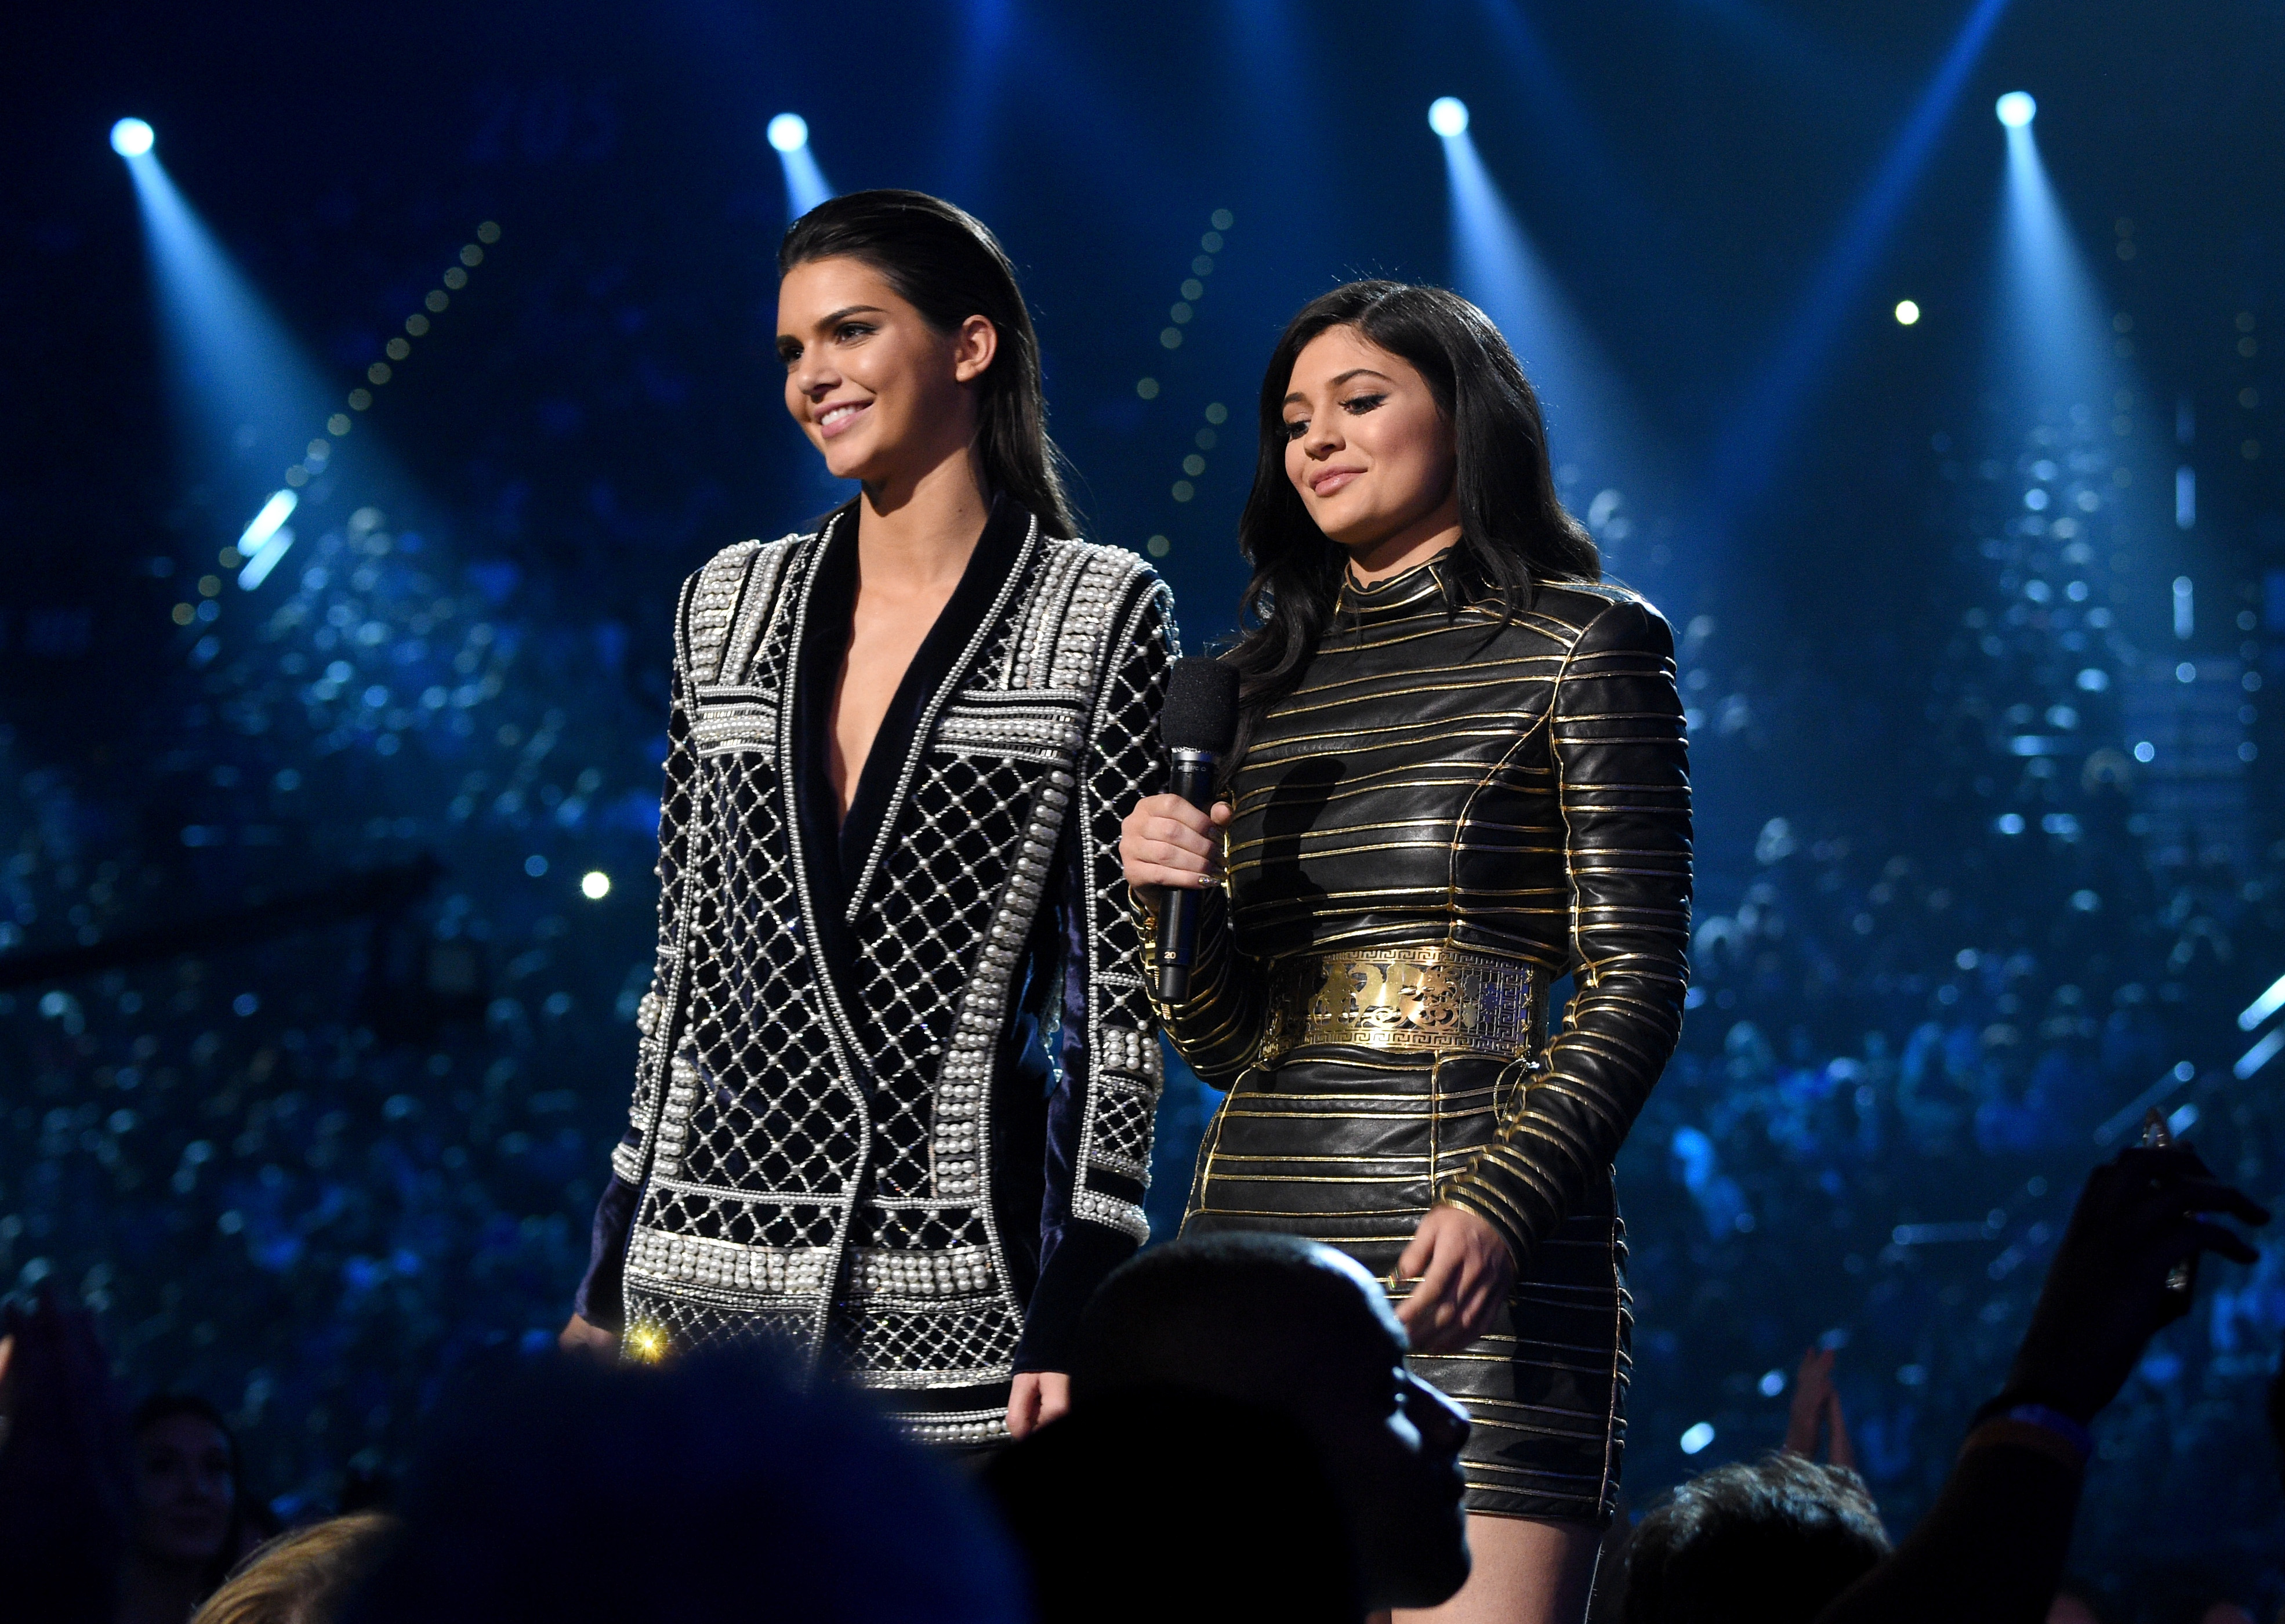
<point>1434,997</point>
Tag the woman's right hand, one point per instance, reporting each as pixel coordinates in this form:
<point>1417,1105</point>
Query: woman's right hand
<point>579,1336</point>
<point>1168,842</point>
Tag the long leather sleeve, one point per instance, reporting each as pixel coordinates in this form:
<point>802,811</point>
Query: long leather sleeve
<point>1217,1030</point>
<point>1621,771</point>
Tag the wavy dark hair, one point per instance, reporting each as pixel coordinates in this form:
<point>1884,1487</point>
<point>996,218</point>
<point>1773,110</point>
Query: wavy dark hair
<point>1514,531</point>
<point>946,264</point>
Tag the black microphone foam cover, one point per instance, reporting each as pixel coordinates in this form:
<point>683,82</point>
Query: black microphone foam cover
<point>1201,710</point>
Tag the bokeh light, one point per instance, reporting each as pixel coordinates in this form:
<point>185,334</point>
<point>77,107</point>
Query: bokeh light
<point>1447,116</point>
<point>131,137</point>
<point>789,132</point>
<point>2016,109</point>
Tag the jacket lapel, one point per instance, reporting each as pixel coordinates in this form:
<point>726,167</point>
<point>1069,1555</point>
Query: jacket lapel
<point>946,661</point>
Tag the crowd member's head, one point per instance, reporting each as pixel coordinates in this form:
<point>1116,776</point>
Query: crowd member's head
<point>304,1577</point>
<point>188,1516</point>
<point>1302,1330</point>
<point>1221,1501</point>
<point>2179,1591</point>
<point>2074,1602</point>
<point>706,1488</point>
<point>1768,1541</point>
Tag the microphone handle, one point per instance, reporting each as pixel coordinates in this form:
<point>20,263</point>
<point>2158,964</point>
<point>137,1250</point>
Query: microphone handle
<point>1178,920</point>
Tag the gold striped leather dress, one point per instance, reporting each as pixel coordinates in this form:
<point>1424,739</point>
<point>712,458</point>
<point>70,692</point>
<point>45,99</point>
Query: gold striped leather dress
<point>1445,817</point>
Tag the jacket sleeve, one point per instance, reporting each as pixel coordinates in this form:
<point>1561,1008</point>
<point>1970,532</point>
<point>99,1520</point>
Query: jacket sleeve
<point>1622,772</point>
<point>599,1298</point>
<point>1110,1071</point>
<point>1218,1029</point>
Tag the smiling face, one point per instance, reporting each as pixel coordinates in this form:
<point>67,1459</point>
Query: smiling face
<point>1369,452</point>
<point>884,394</point>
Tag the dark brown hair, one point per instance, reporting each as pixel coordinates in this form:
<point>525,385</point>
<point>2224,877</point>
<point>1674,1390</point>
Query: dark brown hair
<point>1514,532</point>
<point>947,265</point>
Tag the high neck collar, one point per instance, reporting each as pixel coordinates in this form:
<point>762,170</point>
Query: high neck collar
<point>1431,586</point>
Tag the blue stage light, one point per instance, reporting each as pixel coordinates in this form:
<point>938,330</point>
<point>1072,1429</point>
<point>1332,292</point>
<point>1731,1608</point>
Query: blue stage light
<point>131,137</point>
<point>1592,420</point>
<point>805,183</point>
<point>266,539</point>
<point>1447,116</point>
<point>2054,353</point>
<point>246,395</point>
<point>1766,422</point>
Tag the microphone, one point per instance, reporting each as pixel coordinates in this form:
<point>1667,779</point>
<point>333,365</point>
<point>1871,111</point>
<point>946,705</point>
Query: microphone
<point>1199,725</point>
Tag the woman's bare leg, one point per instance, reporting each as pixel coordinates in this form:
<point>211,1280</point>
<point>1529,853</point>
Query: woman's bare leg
<point>1526,1571</point>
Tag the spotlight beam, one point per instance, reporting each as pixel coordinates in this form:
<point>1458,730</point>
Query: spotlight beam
<point>246,394</point>
<point>1595,432</point>
<point>1566,129</point>
<point>1746,458</point>
<point>1495,263</point>
<point>987,30</point>
<point>2055,341</point>
<point>805,182</point>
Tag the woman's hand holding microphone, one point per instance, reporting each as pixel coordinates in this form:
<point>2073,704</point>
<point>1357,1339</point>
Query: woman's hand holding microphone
<point>1463,1267</point>
<point>1168,842</point>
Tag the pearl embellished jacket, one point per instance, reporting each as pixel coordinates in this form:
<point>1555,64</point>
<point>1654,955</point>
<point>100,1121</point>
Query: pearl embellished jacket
<point>897,1071</point>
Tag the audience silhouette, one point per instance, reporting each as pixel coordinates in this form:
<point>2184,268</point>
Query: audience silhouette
<point>1302,1332</point>
<point>551,1487</point>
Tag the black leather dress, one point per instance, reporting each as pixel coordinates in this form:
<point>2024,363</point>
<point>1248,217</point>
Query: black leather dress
<point>1445,818</point>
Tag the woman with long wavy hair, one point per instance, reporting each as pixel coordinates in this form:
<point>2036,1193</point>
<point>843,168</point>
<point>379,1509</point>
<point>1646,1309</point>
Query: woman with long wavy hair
<point>896,1071</point>
<point>1461,776</point>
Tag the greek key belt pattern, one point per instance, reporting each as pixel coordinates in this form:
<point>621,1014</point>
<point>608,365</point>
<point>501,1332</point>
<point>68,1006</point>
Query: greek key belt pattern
<point>1430,997</point>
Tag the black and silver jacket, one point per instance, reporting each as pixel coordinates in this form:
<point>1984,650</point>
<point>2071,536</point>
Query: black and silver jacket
<point>896,1077</point>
